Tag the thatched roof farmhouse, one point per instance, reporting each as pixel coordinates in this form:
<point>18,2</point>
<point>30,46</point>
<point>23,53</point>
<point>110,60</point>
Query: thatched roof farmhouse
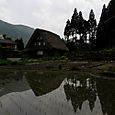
<point>44,43</point>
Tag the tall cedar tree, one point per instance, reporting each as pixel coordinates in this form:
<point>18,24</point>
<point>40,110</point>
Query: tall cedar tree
<point>74,25</point>
<point>109,27</point>
<point>104,15</point>
<point>100,29</point>
<point>104,37</point>
<point>82,28</point>
<point>80,25</point>
<point>92,28</point>
<point>111,8</point>
<point>67,30</point>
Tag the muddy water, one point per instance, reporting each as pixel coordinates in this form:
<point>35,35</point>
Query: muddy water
<point>55,93</point>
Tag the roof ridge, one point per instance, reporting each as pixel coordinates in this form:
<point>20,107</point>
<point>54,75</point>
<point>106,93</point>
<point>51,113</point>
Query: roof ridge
<point>47,31</point>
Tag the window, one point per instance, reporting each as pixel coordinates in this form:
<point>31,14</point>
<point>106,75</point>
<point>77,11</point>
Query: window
<point>44,43</point>
<point>39,43</point>
<point>40,38</point>
<point>37,38</point>
<point>35,44</point>
<point>40,53</point>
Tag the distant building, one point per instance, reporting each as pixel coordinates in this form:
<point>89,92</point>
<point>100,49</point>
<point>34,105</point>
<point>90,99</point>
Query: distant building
<point>7,48</point>
<point>1,37</point>
<point>6,43</point>
<point>45,44</point>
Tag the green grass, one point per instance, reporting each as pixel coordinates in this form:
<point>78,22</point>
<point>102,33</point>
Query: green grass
<point>107,67</point>
<point>21,62</point>
<point>5,62</point>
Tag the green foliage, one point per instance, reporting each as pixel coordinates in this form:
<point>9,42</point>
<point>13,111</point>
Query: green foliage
<point>82,28</point>
<point>5,62</point>
<point>34,60</point>
<point>19,44</point>
<point>92,28</point>
<point>74,23</point>
<point>108,50</point>
<point>67,30</point>
<point>103,55</point>
<point>25,61</point>
<point>111,9</point>
<point>105,28</point>
<point>100,41</point>
<point>63,58</point>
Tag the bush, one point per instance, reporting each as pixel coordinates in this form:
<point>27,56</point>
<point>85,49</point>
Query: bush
<point>5,62</point>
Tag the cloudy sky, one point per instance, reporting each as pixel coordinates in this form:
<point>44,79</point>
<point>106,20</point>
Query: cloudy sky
<point>47,14</point>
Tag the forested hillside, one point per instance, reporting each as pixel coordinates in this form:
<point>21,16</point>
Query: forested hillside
<point>16,31</point>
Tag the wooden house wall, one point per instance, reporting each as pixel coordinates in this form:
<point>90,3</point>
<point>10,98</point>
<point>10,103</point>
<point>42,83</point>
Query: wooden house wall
<point>7,50</point>
<point>46,53</point>
<point>7,46</point>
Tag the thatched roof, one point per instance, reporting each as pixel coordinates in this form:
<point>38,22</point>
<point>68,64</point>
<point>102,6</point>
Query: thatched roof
<point>5,41</point>
<point>52,39</point>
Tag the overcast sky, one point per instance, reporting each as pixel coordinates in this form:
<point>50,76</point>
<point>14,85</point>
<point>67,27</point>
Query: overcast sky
<point>47,14</point>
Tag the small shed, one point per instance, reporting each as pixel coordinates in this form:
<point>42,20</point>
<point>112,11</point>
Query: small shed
<point>45,44</point>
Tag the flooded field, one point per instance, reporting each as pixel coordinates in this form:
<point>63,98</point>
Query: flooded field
<point>55,93</point>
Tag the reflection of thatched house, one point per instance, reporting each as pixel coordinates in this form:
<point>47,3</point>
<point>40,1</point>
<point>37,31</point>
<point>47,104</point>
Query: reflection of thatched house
<point>44,43</point>
<point>43,83</point>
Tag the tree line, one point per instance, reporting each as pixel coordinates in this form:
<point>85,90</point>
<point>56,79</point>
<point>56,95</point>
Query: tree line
<point>83,34</point>
<point>79,32</point>
<point>106,27</point>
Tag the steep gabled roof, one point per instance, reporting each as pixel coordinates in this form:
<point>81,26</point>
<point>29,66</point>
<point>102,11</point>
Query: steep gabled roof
<point>52,39</point>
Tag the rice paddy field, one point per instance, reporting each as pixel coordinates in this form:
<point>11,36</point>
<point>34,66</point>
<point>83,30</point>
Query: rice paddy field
<point>36,92</point>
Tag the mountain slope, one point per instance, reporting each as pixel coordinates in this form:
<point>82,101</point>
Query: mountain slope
<point>16,31</point>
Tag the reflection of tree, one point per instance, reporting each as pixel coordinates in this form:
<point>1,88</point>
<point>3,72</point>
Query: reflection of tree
<point>78,90</point>
<point>106,93</point>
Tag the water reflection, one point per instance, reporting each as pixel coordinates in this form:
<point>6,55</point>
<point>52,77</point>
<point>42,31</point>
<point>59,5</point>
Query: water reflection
<point>13,82</point>
<point>56,93</point>
<point>79,90</point>
<point>106,92</point>
<point>43,83</point>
